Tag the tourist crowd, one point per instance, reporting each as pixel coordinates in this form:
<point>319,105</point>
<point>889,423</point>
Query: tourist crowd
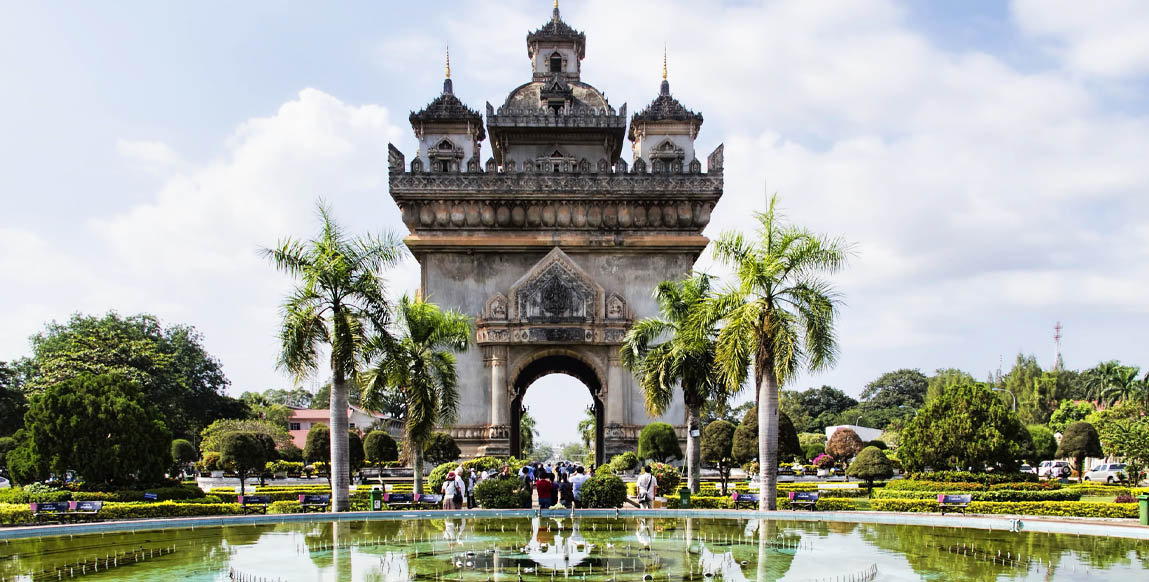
<point>554,485</point>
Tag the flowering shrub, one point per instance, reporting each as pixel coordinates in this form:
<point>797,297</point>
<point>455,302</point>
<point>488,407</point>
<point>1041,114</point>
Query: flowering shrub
<point>823,461</point>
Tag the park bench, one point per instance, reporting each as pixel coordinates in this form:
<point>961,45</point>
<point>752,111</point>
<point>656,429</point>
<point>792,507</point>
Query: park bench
<point>316,503</point>
<point>953,502</point>
<point>399,499</point>
<point>149,496</point>
<point>749,500</point>
<point>804,499</point>
<point>254,503</point>
<point>65,509</point>
<point>433,500</point>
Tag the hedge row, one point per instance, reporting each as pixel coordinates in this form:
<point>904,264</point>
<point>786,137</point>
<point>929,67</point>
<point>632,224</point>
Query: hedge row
<point>1001,495</point>
<point>1097,489</point>
<point>18,495</point>
<point>967,477</point>
<point>15,514</point>
<point>823,504</point>
<point>1054,508</point>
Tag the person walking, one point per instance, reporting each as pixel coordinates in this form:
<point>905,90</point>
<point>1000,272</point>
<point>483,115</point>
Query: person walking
<point>566,491</point>
<point>526,484</point>
<point>472,480</point>
<point>546,490</point>
<point>576,483</point>
<point>647,488</point>
<point>451,491</point>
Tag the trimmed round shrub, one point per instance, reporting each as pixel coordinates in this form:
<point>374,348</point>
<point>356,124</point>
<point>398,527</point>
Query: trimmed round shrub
<point>658,441</point>
<point>379,447</point>
<point>871,465</point>
<point>624,462</point>
<point>602,491</point>
<point>440,448</point>
<point>504,494</point>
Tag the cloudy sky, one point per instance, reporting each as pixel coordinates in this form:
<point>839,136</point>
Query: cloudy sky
<point>987,159</point>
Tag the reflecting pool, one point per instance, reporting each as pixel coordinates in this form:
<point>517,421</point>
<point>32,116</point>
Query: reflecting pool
<point>583,548</point>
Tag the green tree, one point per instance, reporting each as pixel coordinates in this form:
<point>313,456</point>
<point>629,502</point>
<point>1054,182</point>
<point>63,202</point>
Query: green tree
<point>183,455</point>
<point>6,445</point>
<point>100,426</point>
<point>1127,387</point>
<point>944,379</point>
<point>1128,438</point>
<point>746,448</point>
<point>527,431</point>
<point>779,318</point>
<point>903,388</point>
<point>419,359</point>
<point>717,448</point>
<point>968,428</point>
<point>1069,412</point>
<point>246,452</point>
<point>870,465</point>
<point>1100,380</point>
<point>586,428</point>
<point>659,442</point>
<point>684,359</point>
<point>1024,381</point>
<point>174,372</point>
<point>441,448</point>
<point>843,445</point>
<point>380,448</point>
<point>573,452</point>
<point>317,447</point>
<point>13,403</point>
<point>1079,440</point>
<point>210,437</point>
<point>813,409</point>
<point>1044,443</point>
<point>339,302</point>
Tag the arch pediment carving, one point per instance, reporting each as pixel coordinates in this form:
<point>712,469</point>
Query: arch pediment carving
<point>556,290</point>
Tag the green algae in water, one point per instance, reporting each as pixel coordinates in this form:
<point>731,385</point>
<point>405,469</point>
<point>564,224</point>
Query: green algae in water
<point>541,549</point>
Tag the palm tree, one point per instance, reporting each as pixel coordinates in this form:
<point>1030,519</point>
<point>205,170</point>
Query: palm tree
<point>684,358</point>
<point>338,301</point>
<point>778,317</point>
<point>419,360</point>
<point>1125,386</point>
<point>1100,379</point>
<point>586,428</point>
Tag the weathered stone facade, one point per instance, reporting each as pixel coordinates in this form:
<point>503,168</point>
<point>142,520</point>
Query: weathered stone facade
<point>553,245</point>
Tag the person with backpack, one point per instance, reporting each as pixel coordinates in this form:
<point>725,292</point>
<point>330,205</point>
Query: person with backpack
<point>526,484</point>
<point>546,490</point>
<point>647,488</point>
<point>566,490</point>
<point>576,483</point>
<point>449,489</point>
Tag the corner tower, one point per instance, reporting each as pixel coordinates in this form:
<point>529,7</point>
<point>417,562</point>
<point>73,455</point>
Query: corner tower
<point>555,244</point>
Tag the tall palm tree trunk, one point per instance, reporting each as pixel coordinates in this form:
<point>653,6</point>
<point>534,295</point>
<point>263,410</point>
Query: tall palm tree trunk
<point>339,470</point>
<point>417,462</point>
<point>768,441</point>
<point>693,447</point>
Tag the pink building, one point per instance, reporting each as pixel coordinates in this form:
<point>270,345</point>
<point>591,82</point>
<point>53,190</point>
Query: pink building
<point>302,419</point>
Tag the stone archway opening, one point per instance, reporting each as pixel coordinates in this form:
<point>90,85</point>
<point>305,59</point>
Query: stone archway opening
<point>558,364</point>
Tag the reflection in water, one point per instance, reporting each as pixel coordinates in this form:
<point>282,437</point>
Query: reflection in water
<point>537,549</point>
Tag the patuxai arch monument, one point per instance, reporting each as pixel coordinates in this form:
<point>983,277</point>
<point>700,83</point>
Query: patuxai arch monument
<point>555,242</point>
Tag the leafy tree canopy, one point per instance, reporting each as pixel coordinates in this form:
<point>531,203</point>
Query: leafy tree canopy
<point>102,427</point>
<point>967,427</point>
<point>574,452</point>
<point>1079,440</point>
<point>658,441</point>
<point>246,452</point>
<point>944,379</point>
<point>745,446</point>
<point>814,409</point>
<point>870,465</point>
<point>13,403</point>
<point>900,388</point>
<point>1128,438</point>
<point>210,437</point>
<point>183,451</point>
<point>1044,444</point>
<point>1068,412</point>
<point>317,448</point>
<point>174,372</point>
<point>379,447</point>
<point>844,444</point>
<point>718,448</point>
<point>441,448</point>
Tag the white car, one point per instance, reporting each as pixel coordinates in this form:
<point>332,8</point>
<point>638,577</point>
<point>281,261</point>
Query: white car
<point>1027,469</point>
<point>1053,469</point>
<point>1107,473</point>
<point>4,484</point>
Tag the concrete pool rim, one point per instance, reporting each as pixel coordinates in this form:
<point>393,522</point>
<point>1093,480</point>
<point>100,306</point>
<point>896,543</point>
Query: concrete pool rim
<point>1039,524</point>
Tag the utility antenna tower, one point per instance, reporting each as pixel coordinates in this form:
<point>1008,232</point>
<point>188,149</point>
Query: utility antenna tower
<point>1058,365</point>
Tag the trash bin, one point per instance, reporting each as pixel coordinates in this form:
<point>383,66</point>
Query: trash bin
<point>684,498</point>
<point>376,498</point>
<point>1143,505</point>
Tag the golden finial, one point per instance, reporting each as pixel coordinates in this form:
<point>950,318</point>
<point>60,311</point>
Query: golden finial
<point>663,62</point>
<point>448,61</point>
<point>556,4</point>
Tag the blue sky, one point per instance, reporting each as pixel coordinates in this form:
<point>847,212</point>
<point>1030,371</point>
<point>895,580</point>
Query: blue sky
<point>986,158</point>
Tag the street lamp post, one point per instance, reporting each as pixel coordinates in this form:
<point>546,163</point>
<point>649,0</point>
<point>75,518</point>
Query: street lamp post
<point>1010,393</point>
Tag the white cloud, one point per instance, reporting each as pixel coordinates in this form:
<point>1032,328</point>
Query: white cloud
<point>152,156</point>
<point>1105,39</point>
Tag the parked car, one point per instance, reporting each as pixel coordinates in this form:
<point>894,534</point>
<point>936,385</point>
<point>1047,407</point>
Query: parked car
<point>4,484</point>
<point>1107,472</point>
<point>1027,469</point>
<point>1054,469</point>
